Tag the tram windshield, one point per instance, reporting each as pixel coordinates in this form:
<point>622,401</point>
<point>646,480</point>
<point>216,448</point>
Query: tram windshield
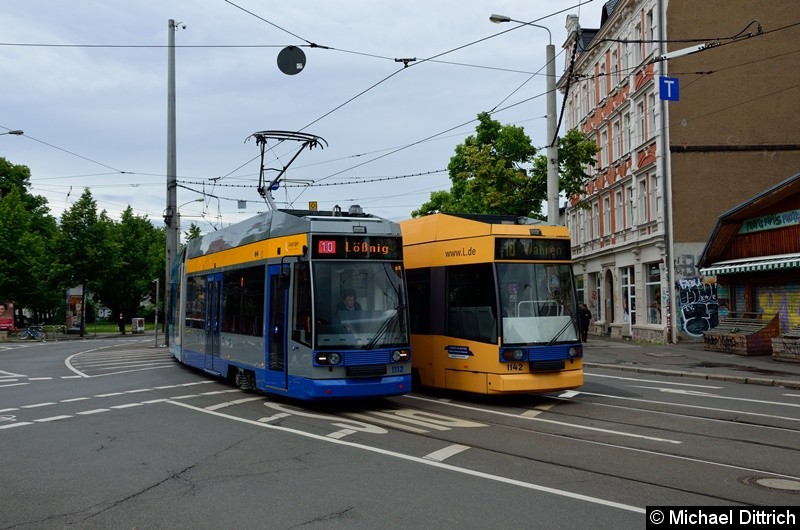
<point>359,305</point>
<point>538,303</point>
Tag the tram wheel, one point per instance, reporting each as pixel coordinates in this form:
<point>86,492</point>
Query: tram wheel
<point>244,380</point>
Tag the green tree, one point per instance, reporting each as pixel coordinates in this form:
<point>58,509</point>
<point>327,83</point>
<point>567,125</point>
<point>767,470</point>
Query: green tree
<point>193,232</point>
<point>497,171</point>
<point>137,258</point>
<point>27,231</point>
<point>84,245</point>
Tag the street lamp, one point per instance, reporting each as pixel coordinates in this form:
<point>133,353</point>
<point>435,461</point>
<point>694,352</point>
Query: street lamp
<point>178,213</point>
<point>552,128</point>
<point>15,132</point>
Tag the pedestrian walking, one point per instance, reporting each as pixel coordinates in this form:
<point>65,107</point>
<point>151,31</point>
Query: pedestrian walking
<point>584,319</point>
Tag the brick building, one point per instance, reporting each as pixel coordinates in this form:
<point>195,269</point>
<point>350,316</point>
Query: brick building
<point>668,169</point>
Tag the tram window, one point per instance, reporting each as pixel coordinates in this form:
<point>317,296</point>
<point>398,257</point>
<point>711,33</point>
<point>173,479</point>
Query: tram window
<point>243,301</point>
<point>471,302</point>
<point>195,302</point>
<point>419,299</point>
<point>301,320</point>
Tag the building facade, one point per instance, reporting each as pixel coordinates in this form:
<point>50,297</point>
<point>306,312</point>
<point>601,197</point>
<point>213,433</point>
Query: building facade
<point>753,256</point>
<point>667,168</point>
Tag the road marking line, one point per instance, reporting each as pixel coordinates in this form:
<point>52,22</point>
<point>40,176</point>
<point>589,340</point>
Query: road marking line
<point>552,422</point>
<point>74,399</point>
<point>420,460</point>
<point>127,405</point>
<point>447,452</point>
<point>53,418</point>
<point>371,419</point>
<point>37,405</point>
<point>15,384</point>
<point>231,403</point>
<point>12,425</point>
<point>651,381</point>
<point>701,407</point>
<point>93,411</point>
<point>341,434</point>
<point>535,411</point>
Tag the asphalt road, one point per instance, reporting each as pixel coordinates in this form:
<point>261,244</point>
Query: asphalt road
<point>112,433</point>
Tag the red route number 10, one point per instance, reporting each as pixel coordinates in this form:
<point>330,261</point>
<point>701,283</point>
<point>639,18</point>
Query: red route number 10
<point>326,247</point>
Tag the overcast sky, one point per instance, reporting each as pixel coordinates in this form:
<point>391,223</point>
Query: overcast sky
<point>87,82</point>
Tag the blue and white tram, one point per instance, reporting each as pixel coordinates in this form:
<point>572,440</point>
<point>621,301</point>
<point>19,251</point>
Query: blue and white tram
<point>260,303</point>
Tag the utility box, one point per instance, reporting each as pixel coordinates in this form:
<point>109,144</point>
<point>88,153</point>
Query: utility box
<point>137,325</point>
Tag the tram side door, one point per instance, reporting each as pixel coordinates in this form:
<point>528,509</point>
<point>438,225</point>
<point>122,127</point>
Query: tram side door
<point>277,300</point>
<point>213,313</point>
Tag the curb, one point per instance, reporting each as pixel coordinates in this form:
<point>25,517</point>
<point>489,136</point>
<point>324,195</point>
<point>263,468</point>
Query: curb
<point>787,383</point>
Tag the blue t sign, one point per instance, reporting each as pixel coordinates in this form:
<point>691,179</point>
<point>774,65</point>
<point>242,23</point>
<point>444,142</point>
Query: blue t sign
<point>668,88</point>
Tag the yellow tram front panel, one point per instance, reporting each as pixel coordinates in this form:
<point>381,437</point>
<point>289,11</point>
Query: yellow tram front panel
<point>481,372</point>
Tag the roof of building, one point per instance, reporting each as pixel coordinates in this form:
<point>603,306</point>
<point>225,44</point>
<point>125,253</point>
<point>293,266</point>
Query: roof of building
<point>729,223</point>
<point>608,10</point>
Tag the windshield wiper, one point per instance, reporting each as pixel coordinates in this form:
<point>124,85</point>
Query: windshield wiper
<point>385,326</point>
<point>568,324</point>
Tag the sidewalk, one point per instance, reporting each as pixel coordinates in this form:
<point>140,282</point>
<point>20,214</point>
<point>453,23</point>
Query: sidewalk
<point>690,360</point>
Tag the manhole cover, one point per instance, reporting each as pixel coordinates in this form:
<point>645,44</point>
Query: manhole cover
<point>773,484</point>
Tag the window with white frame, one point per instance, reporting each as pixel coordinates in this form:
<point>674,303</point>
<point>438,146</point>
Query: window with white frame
<point>614,69</point>
<point>615,150</point>
<point>637,45</point>
<point>629,203</point>
<point>626,56</point>
<point>571,219</point>
<point>651,32</point>
<point>644,215</point>
<point>606,215</point>
<point>655,199</point>
<point>602,80</point>
<point>585,98</point>
<point>579,290</point>
<point>604,155</point>
<point>641,126</point>
<point>571,114</point>
<point>618,204</point>
<point>651,119</point>
<point>598,285</point>
<point>583,218</point>
<point>595,233</point>
<point>628,295</point>
<point>626,133</point>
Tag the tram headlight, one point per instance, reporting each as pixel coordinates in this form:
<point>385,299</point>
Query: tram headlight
<point>399,356</point>
<point>328,358</point>
<point>575,352</point>
<point>513,354</point>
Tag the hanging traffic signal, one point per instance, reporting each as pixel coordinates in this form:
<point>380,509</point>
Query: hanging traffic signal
<point>154,291</point>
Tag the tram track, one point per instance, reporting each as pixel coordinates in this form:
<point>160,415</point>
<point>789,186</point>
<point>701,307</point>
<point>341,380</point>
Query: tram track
<point>636,475</point>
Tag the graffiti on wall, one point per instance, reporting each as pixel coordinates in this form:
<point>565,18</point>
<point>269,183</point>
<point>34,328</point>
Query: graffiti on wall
<point>783,300</point>
<point>697,306</point>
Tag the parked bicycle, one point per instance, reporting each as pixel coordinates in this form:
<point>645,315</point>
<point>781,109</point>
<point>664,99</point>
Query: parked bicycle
<point>32,332</point>
<point>57,331</point>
